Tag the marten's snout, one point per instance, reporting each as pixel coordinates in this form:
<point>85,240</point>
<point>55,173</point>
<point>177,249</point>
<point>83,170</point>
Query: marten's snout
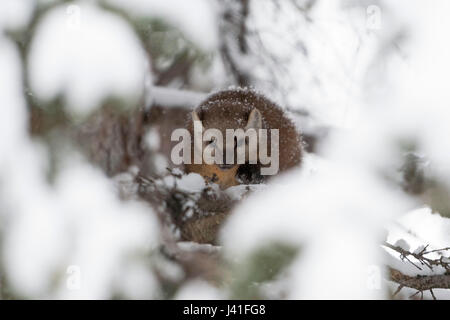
<point>226,166</point>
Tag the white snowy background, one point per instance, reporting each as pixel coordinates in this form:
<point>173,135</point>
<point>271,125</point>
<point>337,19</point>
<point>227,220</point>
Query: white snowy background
<point>374,72</point>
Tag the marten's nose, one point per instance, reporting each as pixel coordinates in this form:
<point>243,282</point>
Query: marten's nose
<point>226,166</point>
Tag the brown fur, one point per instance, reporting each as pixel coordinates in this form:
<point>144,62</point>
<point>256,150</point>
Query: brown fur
<point>230,109</point>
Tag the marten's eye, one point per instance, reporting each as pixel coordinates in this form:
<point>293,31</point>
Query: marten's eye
<point>238,143</point>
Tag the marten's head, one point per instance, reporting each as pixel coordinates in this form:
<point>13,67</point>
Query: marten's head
<point>237,109</point>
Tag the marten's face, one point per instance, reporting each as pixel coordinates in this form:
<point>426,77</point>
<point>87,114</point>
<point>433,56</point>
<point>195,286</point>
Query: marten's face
<point>233,150</point>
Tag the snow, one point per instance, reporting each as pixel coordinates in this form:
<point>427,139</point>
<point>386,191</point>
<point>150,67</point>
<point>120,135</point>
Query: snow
<point>402,94</point>
<point>125,183</point>
<point>199,290</point>
<point>238,192</point>
<point>50,233</point>
<point>402,244</point>
<point>332,51</point>
<point>327,213</point>
<point>377,87</point>
<point>188,246</point>
<point>15,14</point>
<point>75,224</point>
<point>86,55</point>
<point>412,232</point>
<point>192,182</point>
<point>168,97</point>
<point>161,164</point>
<point>429,226</point>
<point>201,19</point>
<point>153,139</point>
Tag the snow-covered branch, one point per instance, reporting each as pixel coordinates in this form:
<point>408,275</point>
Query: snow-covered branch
<point>420,283</point>
<point>419,260</point>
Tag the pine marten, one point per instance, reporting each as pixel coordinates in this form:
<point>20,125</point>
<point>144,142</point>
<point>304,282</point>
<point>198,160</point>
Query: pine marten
<point>242,109</point>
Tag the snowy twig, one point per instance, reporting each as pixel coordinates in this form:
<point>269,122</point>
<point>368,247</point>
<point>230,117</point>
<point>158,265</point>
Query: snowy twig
<point>443,262</point>
<point>421,282</point>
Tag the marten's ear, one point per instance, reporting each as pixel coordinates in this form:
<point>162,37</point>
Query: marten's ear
<point>195,116</point>
<point>254,120</point>
<point>198,138</point>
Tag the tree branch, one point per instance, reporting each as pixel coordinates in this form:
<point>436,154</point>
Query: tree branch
<point>421,282</point>
<point>443,262</point>
<point>234,28</point>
